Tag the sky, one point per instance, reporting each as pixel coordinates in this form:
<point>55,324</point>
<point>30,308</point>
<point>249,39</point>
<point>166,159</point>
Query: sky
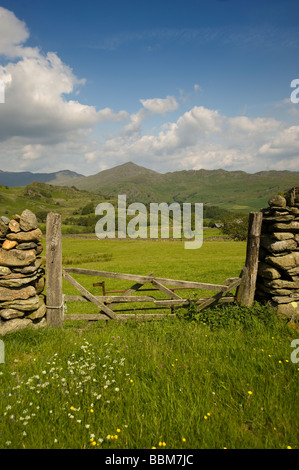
<point>170,85</point>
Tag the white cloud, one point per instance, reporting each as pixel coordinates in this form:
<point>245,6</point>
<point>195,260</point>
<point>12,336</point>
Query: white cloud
<point>36,112</point>
<point>159,105</point>
<point>204,138</point>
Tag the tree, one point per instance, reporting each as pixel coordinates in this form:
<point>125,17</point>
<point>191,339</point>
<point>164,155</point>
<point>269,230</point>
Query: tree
<point>88,209</point>
<point>235,225</point>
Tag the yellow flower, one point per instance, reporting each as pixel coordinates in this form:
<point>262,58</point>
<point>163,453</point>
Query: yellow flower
<point>94,443</point>
<point>164,444</point>
<point>205,417</point>
<point>72,408</point>
<point>118,430</point>
<point>160,444</point>
<point>280,362</point>
<point>91,410</point>
<point>116,436</point>
<point>275,429</point>
<point>154,447</point>
<point>209,414</point>
<point>131,380</point>
<point>183,439</point>
<point>269,355</point>
<point>289,447</point>
<point>250,392</point>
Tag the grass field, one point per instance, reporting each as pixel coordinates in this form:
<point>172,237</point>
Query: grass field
<point>224,379</point>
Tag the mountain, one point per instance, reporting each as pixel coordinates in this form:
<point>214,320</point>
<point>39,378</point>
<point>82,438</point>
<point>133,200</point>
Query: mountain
<point>233,190</point>
<point>126,173</point>
<point>18,179</point>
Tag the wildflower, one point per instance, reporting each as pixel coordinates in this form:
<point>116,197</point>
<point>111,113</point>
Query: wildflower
<point>289,447</point>
<point>131,380</point>
<point>205,417</point>
<point>118,430</point>
<point>183,439</point>
<point>91,410</point>
<point>154,447</point>
<point>250,392</point>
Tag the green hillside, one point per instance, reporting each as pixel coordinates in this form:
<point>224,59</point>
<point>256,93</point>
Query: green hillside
<point>232,190</point>
<point>42,198</point>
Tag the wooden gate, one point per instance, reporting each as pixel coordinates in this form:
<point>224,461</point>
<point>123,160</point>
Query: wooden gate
<point>107,304</point>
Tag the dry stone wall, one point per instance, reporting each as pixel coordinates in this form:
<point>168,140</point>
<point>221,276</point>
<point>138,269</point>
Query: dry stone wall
<point>22,303</point>
<point>278,270</point>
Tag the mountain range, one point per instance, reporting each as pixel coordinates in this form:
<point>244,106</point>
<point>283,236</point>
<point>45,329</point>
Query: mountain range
<point>233,190</point>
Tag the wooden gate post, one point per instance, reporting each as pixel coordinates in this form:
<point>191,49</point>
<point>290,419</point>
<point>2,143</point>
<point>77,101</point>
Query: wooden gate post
<point>54,270</point>
<point>246,290</point>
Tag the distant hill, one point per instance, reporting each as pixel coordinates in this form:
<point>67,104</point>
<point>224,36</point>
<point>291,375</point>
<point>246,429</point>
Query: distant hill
<point>232,190</point>
<point>17,179</point>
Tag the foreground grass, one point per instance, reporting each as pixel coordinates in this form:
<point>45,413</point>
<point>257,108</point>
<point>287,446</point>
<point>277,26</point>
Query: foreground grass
<point>168,384</point>
<point>223,378</point>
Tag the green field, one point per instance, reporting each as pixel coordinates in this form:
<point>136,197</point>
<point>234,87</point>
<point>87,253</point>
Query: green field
<point>222,379</point>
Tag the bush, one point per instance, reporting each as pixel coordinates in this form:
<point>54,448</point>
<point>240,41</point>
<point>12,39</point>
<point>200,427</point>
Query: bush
<point>236,226</point>
<point>88,209</point>
<point>226,315</point>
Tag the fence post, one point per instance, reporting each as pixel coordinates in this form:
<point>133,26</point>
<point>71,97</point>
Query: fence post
<point>246,291</point>
<point>54,270</point>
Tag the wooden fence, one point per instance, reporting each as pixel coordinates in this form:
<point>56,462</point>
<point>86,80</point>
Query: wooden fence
<point>244,284</point>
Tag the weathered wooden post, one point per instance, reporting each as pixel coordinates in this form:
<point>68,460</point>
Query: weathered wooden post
<point>246,290</point>
<point>54,270</point>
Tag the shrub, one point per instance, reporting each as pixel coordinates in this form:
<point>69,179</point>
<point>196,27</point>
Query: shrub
<point>236,226</point>
<point>226,315</point>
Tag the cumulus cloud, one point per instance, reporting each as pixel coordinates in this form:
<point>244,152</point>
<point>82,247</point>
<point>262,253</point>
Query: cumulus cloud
<point>205,138</point>
<point>159,105</point>
<point>36,85</point>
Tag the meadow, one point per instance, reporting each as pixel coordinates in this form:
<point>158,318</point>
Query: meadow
<point>221,379</point>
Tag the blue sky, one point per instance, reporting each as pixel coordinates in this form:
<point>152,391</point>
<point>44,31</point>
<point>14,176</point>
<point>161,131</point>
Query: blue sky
<point>170,85</point>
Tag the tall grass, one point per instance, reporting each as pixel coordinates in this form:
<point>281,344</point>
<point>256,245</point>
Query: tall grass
<point>170,383</point>
<point>221,378</point>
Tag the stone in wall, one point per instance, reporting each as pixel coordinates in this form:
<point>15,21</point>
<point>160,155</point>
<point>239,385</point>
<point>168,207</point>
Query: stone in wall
<point>278,270</point>
<point>22,303</point>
